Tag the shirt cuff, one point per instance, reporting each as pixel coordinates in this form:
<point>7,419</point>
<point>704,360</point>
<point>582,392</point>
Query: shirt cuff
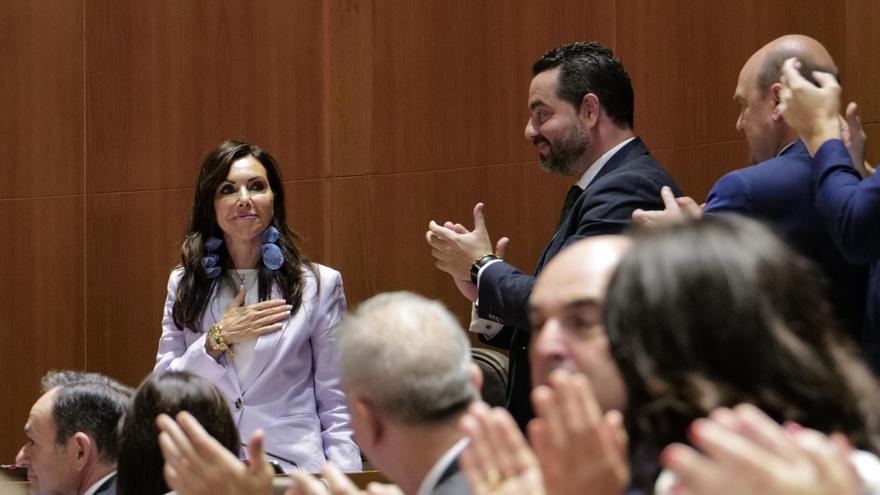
<point>488,328</point>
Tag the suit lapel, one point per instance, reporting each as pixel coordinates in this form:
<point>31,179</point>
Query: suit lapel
<point>628,153</point>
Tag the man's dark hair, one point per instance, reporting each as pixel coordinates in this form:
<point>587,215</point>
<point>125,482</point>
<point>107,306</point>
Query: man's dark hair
<point>590,67</point>
<point>90,403</point>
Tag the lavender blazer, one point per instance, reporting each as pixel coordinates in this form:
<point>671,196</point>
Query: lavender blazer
<point>292,388</point>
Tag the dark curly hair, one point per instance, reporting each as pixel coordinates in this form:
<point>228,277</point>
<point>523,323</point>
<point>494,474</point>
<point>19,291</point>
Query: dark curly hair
<point>719,311</point>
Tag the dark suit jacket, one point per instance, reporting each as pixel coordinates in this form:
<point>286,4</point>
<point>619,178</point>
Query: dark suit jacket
<point>108,487</point>
<point>779,191</point>
<point>849,208</point>
<point>631,179</point>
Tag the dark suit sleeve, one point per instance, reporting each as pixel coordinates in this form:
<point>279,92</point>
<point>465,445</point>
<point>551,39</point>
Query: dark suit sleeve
<point>605,208</point>
<point>730,194</point>
<point>608,208</point>
<point>849,207</point>
<point>504,293</point>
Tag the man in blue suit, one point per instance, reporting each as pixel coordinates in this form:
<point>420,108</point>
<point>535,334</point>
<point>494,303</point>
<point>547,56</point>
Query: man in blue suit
<point>778,188</point>
<point>848,206</point>
<point>581,122</point>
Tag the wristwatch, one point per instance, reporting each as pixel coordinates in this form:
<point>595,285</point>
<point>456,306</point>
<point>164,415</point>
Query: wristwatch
<point>480,263</point>
<point>216,342</point>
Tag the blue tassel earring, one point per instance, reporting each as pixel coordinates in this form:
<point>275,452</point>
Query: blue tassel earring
<point>211,261</point>
<point>272,257</point>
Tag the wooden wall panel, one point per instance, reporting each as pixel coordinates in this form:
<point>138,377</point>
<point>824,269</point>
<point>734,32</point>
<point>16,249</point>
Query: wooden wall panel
<point>685,67</point>
<point>449,79</point>
<point>168,80</point>
<point>41,303</point>
<point>872,151</point>
<point>696,168</point>
<point>41,93</point>
<point>308,213</point>
<point>862,78</point>
<point>132,244</point>
<point>383,247</point>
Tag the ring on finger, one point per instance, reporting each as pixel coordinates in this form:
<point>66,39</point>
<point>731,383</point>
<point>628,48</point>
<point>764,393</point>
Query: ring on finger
<point>493,479</point>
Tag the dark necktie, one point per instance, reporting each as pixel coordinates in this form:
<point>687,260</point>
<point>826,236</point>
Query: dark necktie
<point>572,196</point>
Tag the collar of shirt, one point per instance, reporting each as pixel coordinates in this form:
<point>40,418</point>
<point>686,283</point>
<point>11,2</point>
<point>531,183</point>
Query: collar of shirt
<point>594,169</point>
<point>98,484</point>
<point>786,147</point>
<point>433,476</point>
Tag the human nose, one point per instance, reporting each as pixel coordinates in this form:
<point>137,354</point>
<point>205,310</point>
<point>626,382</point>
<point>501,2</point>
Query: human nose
<point>21,459</point>
<point>530,131</point>
<point>244,197</point>
<point>549,344</point>
<point>739,120</point>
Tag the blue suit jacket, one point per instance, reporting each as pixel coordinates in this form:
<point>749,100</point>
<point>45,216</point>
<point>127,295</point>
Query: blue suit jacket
<point>631,179</point>
<point>779,192</point>
<point>849,208</point>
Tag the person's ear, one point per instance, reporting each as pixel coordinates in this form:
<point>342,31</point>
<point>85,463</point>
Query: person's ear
<point>366,423</point>
<point>80,448</point>
<point>775,89</point>
<point>590,110</point>
<point>476,377</point>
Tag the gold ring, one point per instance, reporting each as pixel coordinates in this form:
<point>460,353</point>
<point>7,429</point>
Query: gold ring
<point>493,479</point>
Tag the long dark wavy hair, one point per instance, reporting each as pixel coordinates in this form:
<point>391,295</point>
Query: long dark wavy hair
<point>719,311</point>
<point>140,458</point>
<point>195,288</point>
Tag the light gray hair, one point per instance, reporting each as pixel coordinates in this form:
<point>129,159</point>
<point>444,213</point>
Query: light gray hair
<point>408,357</point>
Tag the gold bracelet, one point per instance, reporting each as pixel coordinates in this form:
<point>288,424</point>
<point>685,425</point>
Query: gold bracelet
<point>216,342</point>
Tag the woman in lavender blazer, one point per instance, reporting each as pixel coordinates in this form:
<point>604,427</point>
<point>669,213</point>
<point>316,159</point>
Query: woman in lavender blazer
<point>248,312</point>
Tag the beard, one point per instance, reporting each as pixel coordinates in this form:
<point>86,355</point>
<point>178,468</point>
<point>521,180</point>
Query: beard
<point>563,154</point>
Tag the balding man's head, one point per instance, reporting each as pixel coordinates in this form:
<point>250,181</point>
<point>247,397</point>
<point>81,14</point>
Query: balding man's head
<point>757,91</point>
<point>566,314</point>
<point>812,55</point>
<point>408,357</point>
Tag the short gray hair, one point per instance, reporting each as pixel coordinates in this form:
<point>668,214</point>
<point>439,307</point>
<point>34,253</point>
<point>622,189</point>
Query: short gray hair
<point>408,357</point>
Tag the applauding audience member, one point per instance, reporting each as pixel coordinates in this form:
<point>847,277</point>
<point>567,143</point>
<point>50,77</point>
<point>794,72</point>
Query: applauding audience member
<point>847,205</point>
<point>742,450</point>
<point>197,464</point>
<point>140,460</point>
<point>718,311</point>
<point>407,372</point>
<point>777,189</point>
<point>569,351</point>
<point>577,448</point>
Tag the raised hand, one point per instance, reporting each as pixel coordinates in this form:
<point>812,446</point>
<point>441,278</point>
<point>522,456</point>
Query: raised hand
<point>467,288</point>
<point>197,464</point>
<point>742,451</point>
<point>675,210</point>
<point>455,252</point>
<point>580,449</point>
<point>853,136</point>
<point>498,461</point>
<point>812,111</point>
